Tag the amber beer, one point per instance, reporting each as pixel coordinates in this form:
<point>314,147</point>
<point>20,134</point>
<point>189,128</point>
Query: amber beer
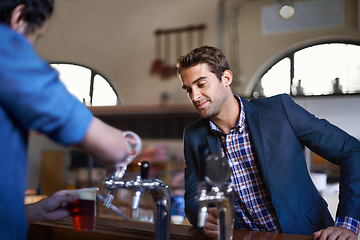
<point>83,211</point>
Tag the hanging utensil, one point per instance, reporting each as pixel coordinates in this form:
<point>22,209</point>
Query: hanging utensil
<point>190,38</point>
<point>177,50</point>
<point>158,62</point>
<point>200,39</point>
<point>166,70</point>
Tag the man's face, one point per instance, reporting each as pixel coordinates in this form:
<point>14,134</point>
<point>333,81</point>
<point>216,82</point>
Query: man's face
<point>204,89</point>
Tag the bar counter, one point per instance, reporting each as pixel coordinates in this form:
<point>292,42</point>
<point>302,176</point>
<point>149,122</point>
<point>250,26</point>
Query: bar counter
<point>111,229</point>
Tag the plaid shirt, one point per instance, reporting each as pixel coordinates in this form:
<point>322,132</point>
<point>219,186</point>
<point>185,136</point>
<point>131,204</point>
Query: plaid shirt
<point>253,206</point>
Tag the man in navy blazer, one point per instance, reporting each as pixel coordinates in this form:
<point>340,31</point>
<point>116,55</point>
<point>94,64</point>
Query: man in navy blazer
<point>274,131</point>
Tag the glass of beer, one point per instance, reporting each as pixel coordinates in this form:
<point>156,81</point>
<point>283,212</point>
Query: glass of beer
<point>83,211</point>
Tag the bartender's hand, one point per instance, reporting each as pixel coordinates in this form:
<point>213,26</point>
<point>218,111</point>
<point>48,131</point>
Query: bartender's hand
<point>211,228</point>
<point>335,233</point>
<point>51,208</point>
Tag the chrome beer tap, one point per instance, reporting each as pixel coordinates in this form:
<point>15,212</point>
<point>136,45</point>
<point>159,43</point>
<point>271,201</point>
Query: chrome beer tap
<point>158,190</point>
<point>135,144</point>
<point>215,189</point>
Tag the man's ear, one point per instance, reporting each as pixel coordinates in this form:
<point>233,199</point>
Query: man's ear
<point>17,21</point>
<point>227,78</point>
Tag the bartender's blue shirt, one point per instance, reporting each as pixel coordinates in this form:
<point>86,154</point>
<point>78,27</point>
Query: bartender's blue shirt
<point>31,97</point>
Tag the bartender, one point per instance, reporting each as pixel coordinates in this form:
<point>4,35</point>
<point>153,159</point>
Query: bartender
<point>33,97</point>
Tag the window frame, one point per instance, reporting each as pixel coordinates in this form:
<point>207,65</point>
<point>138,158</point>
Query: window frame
<point>93,73</point>
<point>290,54</point>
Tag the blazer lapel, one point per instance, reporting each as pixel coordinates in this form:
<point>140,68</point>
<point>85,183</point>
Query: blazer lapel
<point>213,143</point>
<point>256,134</point>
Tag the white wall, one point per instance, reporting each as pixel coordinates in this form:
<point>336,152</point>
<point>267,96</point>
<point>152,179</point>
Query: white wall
<point>342,111</point>
<point>116,37</point>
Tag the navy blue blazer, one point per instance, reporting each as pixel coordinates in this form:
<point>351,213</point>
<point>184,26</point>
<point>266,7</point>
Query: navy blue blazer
<point>279,130</point>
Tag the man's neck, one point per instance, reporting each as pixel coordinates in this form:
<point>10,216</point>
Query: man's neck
<point>228,117</point>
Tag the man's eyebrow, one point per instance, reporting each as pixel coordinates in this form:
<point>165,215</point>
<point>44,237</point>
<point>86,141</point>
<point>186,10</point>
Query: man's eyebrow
<point>195,81</point>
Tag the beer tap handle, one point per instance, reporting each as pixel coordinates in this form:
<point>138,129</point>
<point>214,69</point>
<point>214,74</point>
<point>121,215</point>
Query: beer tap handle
<point>202,216</point>
<point>144,174</point>
<point>217,169</point>
<point>109,198</point>
<point>135,145</point>
<point>136,199</point>
<point>144,170</point>
<point>112,207</point>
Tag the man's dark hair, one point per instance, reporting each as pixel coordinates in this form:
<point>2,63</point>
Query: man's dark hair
<point>212,56</point>
<point>36,12</point>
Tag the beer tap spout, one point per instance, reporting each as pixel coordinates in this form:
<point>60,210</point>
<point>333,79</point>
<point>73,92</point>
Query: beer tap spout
<point>215,189</point>
<point>158,190</point>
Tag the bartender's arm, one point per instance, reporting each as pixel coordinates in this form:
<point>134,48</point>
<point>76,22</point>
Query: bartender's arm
<point>105,144</point>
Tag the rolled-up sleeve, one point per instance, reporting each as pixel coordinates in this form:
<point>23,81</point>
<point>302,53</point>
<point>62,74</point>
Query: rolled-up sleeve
<point>33,95</point>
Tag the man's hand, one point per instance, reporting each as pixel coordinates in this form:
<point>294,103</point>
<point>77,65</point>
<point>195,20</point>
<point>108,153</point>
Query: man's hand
<point>211,228</point>
<point>52,208</point>
<point>333,233</point>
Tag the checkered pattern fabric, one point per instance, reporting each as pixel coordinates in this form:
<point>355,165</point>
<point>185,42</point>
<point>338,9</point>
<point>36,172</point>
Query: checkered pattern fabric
<point>349,223</point>
<point>253,207</point>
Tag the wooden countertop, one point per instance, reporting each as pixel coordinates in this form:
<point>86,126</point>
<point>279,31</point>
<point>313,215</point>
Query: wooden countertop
<point>111,229</point>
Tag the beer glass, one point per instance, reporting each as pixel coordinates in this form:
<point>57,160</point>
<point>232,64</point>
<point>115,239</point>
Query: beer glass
<point>83,211</point>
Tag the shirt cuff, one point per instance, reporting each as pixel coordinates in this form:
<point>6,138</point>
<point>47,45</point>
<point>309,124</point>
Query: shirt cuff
<point>348,223</point>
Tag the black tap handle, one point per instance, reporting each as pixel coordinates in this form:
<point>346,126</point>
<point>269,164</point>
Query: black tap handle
<point>217,168</point>
<point>144,170</point>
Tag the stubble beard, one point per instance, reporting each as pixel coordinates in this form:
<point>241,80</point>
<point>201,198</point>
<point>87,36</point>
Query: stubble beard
<point>214,106</point>
<point>211,110</point>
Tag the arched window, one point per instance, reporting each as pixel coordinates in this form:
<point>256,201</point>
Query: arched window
<point>317,70</point>
<point>87,84</point>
